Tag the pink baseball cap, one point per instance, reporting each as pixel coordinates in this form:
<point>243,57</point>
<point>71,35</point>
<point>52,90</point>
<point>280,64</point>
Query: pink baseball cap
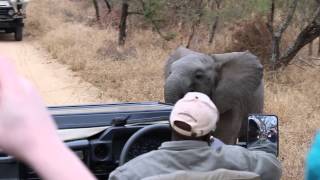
<point>194,115</point>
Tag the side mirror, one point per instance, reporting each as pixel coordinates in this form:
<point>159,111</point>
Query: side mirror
<point>263,133</point>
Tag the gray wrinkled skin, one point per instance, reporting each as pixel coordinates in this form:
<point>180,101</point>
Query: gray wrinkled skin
<point>234,82</point>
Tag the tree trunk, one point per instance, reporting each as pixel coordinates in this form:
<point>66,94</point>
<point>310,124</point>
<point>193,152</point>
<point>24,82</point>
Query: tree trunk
<point>108,5</point>
<point>216,5</point>
<point>96,7</point>
<point>195,23</point>
<point>123,23</point>
<point>275,50</point>
<point>319,47</point>
<point>213,29</point>
<point>277,32</point>
<point>191,35</point>
<point>271,17</point>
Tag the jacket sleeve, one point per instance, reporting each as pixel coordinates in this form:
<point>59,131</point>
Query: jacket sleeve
<point>264,145</point>
<point>118,175</point>
<point>266,165</point>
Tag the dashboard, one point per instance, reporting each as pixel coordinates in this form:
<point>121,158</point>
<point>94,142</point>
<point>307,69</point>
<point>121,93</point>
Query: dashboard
<point>101,152</point>
<point>97,133</point>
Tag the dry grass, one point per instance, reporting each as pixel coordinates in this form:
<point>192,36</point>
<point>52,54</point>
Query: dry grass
<point>294,96</point>
<point>134,73</point>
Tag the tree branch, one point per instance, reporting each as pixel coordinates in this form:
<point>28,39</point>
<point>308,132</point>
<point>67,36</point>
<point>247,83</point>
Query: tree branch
<point>108,5</point>
<point>307,35</point>
<point>271,17</point>
<point>216,20</point>
<point>123,23</point>
<point>96,7</point>
<point>153,22</point>
<point>218,3</point>
<point>195,23</point>
<point>287,21</point>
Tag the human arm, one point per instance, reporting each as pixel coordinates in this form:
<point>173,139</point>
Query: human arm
<point>266,165</point>
<point>28,132</point>
<point>52,160</point>
<point>119,174</point>
<point>263,145</point>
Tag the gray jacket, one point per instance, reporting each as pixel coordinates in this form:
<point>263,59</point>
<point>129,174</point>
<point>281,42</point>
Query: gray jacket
<point>219,174</point>
<point>200,157</point>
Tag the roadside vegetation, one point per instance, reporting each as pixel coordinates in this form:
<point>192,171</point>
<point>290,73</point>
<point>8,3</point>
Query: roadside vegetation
<point>70,32</point>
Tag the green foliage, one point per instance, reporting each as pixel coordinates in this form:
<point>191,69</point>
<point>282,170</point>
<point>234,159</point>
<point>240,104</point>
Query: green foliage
<point>260,5</point>
<point>153,9</point>
<point>209,15</point>
<point>234,9</point>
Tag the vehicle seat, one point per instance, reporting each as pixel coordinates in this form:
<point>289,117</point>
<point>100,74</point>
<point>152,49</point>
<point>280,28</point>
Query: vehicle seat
<point>219,174</point>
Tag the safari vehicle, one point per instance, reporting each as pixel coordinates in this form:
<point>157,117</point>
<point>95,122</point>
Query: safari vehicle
<point>12,13</point>
<point>103,136</point>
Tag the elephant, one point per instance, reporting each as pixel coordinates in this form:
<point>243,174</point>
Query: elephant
<point>233,81</point>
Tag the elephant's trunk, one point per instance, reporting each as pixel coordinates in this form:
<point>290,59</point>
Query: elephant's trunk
<point>173,90</point>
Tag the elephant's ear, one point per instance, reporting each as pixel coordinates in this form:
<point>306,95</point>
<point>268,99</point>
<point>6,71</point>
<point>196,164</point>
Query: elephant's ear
<point>239,76</point>
<point>176,55</point>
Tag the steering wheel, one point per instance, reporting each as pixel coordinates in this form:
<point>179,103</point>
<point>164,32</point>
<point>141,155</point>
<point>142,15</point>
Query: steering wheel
<point>124,156</point>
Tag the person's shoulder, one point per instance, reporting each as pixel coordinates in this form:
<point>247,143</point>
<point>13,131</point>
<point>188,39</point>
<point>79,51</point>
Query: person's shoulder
<point>232,148</point>
<point>128,170</point>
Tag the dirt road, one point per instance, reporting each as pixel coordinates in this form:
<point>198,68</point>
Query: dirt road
<point>57,84</point>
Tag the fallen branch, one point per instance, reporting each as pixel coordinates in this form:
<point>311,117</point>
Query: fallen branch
<point>315,58</point>
<point>306,63</point>
<point>299,66</point>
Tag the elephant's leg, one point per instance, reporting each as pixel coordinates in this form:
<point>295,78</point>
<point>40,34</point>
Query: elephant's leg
<point>256,102</point>
<point>255,105</point>
<point>239,124</point>
<point>228,127</point>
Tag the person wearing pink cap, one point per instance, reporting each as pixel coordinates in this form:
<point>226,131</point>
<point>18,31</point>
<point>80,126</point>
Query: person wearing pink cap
<point>192,120</point>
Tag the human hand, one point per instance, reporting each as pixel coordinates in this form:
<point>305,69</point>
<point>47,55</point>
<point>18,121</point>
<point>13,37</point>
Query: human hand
<point>28,132</point>
<point>25,123</point>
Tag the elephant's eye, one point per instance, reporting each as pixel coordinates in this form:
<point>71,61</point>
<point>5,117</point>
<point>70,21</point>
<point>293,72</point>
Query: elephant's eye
<point>199,75</point>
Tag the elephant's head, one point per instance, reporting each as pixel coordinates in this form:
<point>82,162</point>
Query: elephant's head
<point>192,72</point>
<point>227,78</point>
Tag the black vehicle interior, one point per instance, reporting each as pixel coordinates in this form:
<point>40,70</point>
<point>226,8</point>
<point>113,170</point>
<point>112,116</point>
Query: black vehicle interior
<point>101,152</point>
<point>127,134</point>
<point>105,151</point>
